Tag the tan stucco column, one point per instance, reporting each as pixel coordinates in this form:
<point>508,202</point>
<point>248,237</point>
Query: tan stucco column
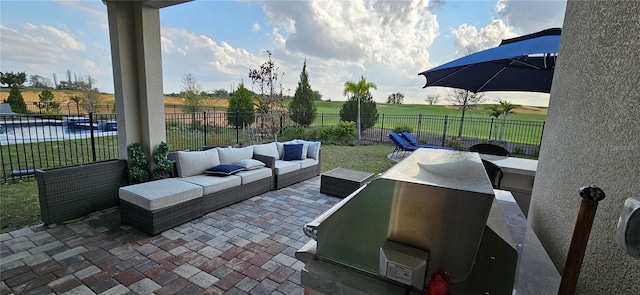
<point>134,31</point>
<point>592,136</point>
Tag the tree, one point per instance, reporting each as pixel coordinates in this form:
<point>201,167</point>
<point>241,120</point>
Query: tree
<point>15,100</point>
<point>462,99</point>
<point>270,103</point>
<point>358,91</point>
<point>495,112</point>
<point>368,108</point>
<point>506,108</point>
<point>302,109</point>
<point>190,93</point>
<point>48,102</point>
<point>241,107</point>
<point>76,99</point>
<point>433,99</point>
<point>11,78</point>
<point>91,97</point>
<point>316,95</point>
<point>395,98</point>
<point>221,93</point>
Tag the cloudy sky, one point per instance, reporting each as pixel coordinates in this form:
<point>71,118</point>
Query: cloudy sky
<point>218,41</point>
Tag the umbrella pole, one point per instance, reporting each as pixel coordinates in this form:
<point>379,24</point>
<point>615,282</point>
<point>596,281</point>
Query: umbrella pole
<point>591,195</point>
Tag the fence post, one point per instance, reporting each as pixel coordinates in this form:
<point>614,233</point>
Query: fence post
<point>205,126</point>
<point>322,119</point>
<point>444,130</point>
<point>419,126</point>
<point>237,127</point>
<point>382,128</point>
<point>93,138</point>
<point>491,128</point>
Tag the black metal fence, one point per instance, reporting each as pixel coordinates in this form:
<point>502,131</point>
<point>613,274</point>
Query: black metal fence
<point>29,142</point>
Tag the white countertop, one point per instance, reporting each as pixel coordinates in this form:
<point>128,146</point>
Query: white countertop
<point>513,165</point>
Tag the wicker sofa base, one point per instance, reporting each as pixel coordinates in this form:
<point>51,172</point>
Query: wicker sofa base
<point>217,200</point>
<point>70,192</point>
<point>288,179</point>
<point>155,222</point>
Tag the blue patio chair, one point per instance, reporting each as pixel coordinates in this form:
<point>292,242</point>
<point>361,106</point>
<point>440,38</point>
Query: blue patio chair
<point>401,144</point>
<point>412,141</point>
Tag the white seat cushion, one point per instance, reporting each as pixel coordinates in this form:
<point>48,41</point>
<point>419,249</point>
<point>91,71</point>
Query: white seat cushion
<point>308,162</point>
<point>256,174</point>
<point>160,194</point>
<point>284,167</point>
<point>213,184</point>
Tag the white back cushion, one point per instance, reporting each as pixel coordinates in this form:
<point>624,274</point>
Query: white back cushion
<point>314,150</point>
<point>194,163</point>
<point>230,155</point>
<point>267,149</point>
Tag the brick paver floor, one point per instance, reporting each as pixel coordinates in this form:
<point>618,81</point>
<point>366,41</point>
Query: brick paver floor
<point>246,248</point>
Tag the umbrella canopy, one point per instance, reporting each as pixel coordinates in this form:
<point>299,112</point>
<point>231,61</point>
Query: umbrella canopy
<point>524,63</point>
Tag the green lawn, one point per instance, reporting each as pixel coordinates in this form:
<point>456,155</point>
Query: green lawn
<point>19,205</point>
<point>333,107</point>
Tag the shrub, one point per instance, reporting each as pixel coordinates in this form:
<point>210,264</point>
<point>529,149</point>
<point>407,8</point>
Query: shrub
<point>137,166</point>
<point>368,111</point>
<point>518,150</point>
<point>343,132</point>
<point>174,124</point>
<point>163,165</point>
<point>295,132</point>
<point>454,143</point>
<point>403,128</point>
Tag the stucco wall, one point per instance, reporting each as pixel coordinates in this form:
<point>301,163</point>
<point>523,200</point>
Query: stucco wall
<point>592,136</point>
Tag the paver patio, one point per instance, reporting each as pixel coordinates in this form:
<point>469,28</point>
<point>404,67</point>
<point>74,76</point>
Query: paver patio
<point>246,248</point>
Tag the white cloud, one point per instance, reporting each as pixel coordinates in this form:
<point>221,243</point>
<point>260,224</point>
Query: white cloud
<point>386,41</point>
<point>95,10</point>
<point>39,44</point>
<point>212,62</point>
<point>469,39</point>
<point>532,16</point>
<point>166,45</point>
<point>255,27</point>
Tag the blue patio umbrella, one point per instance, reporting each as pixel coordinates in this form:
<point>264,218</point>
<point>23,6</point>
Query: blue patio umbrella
<point>524,63</point>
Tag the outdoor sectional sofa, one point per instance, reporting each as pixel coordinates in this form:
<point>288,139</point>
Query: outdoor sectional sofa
<point>159,205</point>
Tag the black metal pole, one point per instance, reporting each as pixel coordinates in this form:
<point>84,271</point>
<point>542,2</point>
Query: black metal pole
<point>205,127</point>
<point>237,127</point>
<point>444,130</point>
<point>93,138</point>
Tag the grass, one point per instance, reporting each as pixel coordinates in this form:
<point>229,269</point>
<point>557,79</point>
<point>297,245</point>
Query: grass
<point>333,107</point>
<point>19,206</point>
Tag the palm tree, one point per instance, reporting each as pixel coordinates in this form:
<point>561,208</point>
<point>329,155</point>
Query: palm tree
<point>358,89</point>
<point>506,108</point>
<point>494,111</point>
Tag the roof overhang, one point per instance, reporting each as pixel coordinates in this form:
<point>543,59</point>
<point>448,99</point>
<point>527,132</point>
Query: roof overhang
<point>156,3</point>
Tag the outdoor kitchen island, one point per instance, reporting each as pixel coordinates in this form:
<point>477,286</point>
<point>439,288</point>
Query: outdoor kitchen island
<point>433,214</point>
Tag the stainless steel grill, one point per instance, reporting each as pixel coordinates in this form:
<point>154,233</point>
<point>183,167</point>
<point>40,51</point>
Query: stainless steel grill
<point>439,202</point>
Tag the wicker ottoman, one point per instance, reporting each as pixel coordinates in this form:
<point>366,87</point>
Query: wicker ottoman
<point>341,182</point>
<point>160,205</point>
